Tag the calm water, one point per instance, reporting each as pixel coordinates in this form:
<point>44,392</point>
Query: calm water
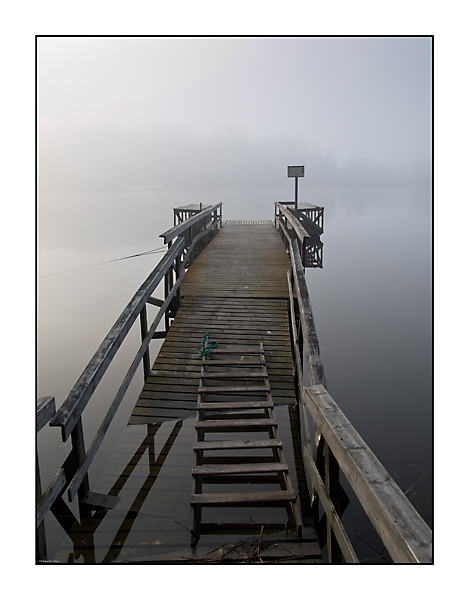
<point>372,306</point>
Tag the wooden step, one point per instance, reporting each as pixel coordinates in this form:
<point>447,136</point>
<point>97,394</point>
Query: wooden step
<point>237,444</point>
<point>235,362</point>
<point>251,350</point>
<point>236,424</point>
<point>237,389</point>
<point>238,374</point>
<point>234,405</point>
<point>244,498</point>
<point>276,467</point>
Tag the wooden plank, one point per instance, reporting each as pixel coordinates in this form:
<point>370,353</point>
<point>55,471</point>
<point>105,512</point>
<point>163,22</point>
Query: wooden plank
<point>221,389</point>
<point>100,500</point>
<point>239,374</point>
<point>212,470</point>
<point>244,498</point>
<point>180,390</point>
<point>167,412</point>
<point>236,424</point>
<point>233,405</point>
<point>405,534</point>
<point>155,301</point>
<point>176,363</point>
<point>237,444</point>
<point>48,498</point>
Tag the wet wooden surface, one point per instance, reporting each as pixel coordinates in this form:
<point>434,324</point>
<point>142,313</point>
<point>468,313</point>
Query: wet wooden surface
<point>236,289</point>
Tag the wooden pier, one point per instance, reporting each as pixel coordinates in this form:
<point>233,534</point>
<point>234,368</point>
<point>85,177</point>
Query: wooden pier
<point>238,290</point>
<point>208,425</point>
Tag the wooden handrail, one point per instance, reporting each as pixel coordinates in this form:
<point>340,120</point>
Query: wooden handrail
<point>405,534</point>
<point>177,230</point>
<point>314,366</point>
<point>68,414</point>
<point>294,222</point>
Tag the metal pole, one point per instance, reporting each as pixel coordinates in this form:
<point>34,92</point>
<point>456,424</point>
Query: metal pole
<point>296,196</point>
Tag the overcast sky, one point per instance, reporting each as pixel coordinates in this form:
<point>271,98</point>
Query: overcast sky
<point>351,97</point>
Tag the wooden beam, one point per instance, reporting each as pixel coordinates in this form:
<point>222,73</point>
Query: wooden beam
<point>155,301</point>
<point>179,229</point>
<point>49,496</point>
<point>296,225</point>
<point>314,366</point>
<point>45,410</point>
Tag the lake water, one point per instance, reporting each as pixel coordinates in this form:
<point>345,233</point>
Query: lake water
<point>372,305</point>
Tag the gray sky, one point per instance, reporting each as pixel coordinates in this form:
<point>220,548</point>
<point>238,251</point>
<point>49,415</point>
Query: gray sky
<point>349,97</point>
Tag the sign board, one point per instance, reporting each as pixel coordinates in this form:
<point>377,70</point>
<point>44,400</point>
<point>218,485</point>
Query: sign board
<point>296,171</point>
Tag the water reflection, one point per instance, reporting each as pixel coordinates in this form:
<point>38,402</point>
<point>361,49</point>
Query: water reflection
<point>82,534</point>
<point>151,522</point>
<point>312,253</point>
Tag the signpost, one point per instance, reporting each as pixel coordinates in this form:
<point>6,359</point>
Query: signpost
<point>296,172</point>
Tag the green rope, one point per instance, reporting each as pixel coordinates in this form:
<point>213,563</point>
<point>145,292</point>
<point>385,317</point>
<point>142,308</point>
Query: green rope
<point>206,346</point>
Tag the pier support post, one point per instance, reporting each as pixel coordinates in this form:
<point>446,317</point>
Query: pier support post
<point>144,332</point>
<point>78,446</point>
<point>331,467</point>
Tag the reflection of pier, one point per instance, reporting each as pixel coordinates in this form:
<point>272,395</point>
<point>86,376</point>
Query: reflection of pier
<point>237,282</point>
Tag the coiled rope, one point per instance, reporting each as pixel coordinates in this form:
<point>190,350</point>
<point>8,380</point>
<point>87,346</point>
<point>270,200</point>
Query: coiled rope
<point>207,346</point>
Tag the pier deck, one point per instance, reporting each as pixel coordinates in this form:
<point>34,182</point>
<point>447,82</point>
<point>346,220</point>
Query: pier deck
<point>236,289</point>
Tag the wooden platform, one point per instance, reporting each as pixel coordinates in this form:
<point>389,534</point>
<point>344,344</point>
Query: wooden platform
<point>236,289</point>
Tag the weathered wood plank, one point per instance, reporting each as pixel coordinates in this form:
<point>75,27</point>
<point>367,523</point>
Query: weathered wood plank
<point>45,410</point>
<point>236,424</point>
<point>237,389</point>
<point>237,469</point>
<point>244,498</point>
<point>234,405</point>
<point>239,374</point>
<point>237,444</point>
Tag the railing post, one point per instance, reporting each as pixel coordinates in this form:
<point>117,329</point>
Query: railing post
<point>331,468</point>
<point>78,447</point>
<point>168,284</point>
<point>177,299</point>
<point>144,332</point>
<point>41,547</point>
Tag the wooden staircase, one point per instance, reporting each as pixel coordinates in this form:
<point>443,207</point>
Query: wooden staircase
<point>234,398</point>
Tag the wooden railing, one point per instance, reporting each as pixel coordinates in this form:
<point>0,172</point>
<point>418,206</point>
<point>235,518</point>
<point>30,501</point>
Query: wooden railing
<point>184,240</point>
<point>337,445</point>
<point>306,225</point>
<point>290,228</point>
